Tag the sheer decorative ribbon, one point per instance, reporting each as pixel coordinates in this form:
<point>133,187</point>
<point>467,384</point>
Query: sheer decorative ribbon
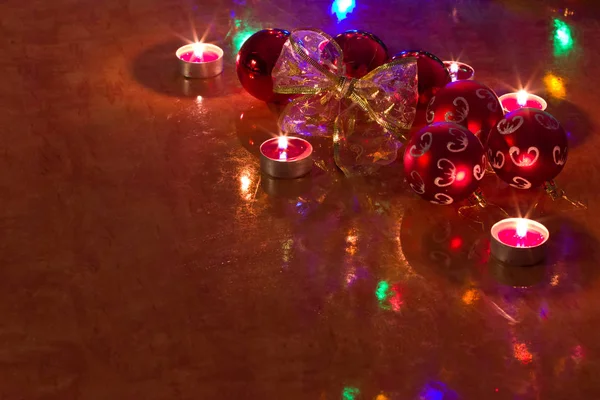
<point>370,111</point>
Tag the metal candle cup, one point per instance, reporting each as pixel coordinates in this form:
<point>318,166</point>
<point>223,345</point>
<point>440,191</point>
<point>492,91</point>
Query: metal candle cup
<point>200,60</point>
<point>519,241</point>
<point>522,99</point>
<point>459,71</point>
<point>286,157</point>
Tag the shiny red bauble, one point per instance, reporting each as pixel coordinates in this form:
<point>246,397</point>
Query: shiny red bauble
<point>444,163</point>
<point>255,62</point>
<point>432,75</point>
<point>363,52</point>
<point>468,103</point>
<point>527,148</point>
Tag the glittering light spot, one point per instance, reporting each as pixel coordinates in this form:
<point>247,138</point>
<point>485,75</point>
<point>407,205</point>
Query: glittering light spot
<point>577,354</point>
<point>381,292</point>
<point>396,300</point>
<point>286,250</point>
<point>350,278</point>
<point>563,38</point>
<point>460,175</point>
<point>470,296</point>
<point>555,86</point>
<point>433,391</point>
<point>521,353</point>
<point>351,241</point>
<point>554,281</point>
<point>456,243</point>
<point>389,297</point>
<point>199,100</point>
<point>341,8</point>
<point>382,396</point>
<point>245,182</point>
<point>544,313</point>
<point>350,393</point>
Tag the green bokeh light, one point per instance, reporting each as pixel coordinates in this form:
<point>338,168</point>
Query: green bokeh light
<point>383,291</point>
<point>350,393</point>
<point>240,37</point>
<point>563,38</point>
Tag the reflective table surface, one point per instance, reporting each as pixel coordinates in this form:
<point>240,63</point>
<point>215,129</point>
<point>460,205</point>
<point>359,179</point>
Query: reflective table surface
<point>145,257</point>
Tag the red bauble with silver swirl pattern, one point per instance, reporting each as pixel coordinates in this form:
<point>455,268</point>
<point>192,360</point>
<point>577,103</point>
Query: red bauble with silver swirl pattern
<point>444,163</point>
<point>468,103</point>
<point>527,148</point>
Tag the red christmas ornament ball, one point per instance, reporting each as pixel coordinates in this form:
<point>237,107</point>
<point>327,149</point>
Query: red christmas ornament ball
<point>255,62</point>
<point>444,163</point>
<point>432,75</point>
<point>363,52</point>
<point>527,148</point>
<point>468,103</point>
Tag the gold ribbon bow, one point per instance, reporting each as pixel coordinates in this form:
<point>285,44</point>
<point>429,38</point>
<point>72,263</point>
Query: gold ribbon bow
<point>371,110</point>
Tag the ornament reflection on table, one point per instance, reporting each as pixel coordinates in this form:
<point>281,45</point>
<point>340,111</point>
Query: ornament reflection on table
<point>519,241</point>
<point>522,99</point>
<point>286,157</point>
<point>459,71</point>
<point>200,60</point>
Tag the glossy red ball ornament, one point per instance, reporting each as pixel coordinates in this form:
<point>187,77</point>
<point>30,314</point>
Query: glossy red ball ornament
<point>432,75</point>
<point>444,163</point>
<point>468,103</point>
<point>255,62</point>
<point>527,148</point>
<point>363,52</point>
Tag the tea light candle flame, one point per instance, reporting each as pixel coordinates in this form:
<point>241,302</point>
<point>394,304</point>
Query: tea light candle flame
<point>282,142</point>
<point>454,68</point>
<point>198,49</point>
<point>522,228</point>
<point>522,97</point>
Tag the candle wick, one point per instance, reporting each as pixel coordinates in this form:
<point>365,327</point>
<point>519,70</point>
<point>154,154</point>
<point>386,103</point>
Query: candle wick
<point>522,97</point>
<point>454,71</point>
<point>198,50</point>
<point>282,143</point>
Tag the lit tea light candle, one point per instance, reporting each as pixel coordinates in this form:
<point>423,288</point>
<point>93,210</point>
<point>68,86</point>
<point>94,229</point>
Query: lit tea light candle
<point>200,60</point>
<point>286,157</point>
<point>522,99</point>
<point>459,71</point>
<point>519,241</point>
